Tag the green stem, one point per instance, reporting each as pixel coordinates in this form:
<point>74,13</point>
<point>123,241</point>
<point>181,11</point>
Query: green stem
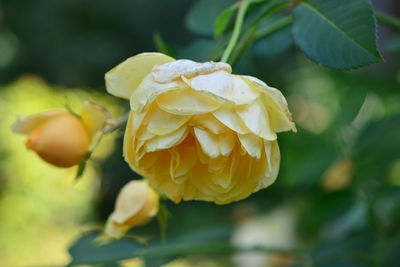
<point>236,31</point>
<point>388,19</point>
<point>214,248</point>
<point>252,36</point>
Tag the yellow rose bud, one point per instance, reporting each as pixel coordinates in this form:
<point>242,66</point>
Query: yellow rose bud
<point>137,203</point>
<point>59,137</point>
<point>198,132</point>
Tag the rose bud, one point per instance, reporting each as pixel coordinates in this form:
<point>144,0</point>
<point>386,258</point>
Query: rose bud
<point>137,203</point>
<point>61,138</point>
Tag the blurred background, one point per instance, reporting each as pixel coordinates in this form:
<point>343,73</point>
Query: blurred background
<point>338,192</point>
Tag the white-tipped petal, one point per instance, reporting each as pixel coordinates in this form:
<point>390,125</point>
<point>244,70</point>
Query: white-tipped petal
<point>172,71</point>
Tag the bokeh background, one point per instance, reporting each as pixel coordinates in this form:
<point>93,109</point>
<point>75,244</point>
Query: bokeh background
<point>338,192</point>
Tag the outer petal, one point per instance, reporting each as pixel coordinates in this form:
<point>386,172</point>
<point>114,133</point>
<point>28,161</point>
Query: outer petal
<point>208,142</point>
<point>252,143</point>
<point>26,124</point>
<point>149,89</point>
<point>187,102</point>
<point>256,119</point>
<point>130,201</point>
<point>166,141</point>
<point>280,116</point>
<point>122,80</point>
<point>161,122</point>
<point>209,122</point>
<point>273,158</point>
<point>227,115</point>
<point>229,88</point>
<point>95,117</point>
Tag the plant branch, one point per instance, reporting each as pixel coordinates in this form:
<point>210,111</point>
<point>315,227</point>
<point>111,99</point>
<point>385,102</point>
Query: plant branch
<point>388,19</point>
<point>121,121</point>
<point>236,31</point>
<point>215,248</point>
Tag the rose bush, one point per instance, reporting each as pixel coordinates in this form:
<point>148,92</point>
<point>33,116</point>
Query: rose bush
<point>197,131</point>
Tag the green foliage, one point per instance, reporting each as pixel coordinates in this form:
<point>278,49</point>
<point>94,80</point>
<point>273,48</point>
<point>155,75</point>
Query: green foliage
<point>337,33</point>
<point>223,19</point>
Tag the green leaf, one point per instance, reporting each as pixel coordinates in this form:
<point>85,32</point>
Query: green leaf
<point>337,33</point>
<point>223,19</point>
<point>162,46</point>
<point>201,17</point>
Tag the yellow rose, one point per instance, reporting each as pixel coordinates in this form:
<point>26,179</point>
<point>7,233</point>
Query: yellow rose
<point>61,138</point>
<point>137,203</point>
<point>198,132</point>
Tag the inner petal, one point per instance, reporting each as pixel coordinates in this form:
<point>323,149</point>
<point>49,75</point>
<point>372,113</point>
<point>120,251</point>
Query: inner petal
<point>208,122</point>
<point>227,115</point>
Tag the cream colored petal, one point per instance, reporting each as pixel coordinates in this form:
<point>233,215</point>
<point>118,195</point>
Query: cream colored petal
<point>217,164</point>
<point>208,122</point>
<point>161,122</point>
<point>252,143</point>
<point>149,89</point>
<point>171,71</point>
<point>26,124</point>
<point>166,141</point>
<point>227,175</point>
<point>130,200</point>
<point>123,79</point>
<point>186,102</point>
<point>280,116</point>
<point>223,85</point>
<point>256,119</point>
<point>208,142</point>
<point>226,143</point>
<point>228,116</point>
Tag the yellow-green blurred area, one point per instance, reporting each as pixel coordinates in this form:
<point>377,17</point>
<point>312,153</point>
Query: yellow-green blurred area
<point>337,196</point>
<point>42,207</point>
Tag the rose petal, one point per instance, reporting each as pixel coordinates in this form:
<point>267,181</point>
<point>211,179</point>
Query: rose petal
<point>149,89</point>
<point>230,88</point>
<point>256,119</point>
<point>226,143</point>
<point>161,122</point>
<point>208,122</point>
<point>252,143</point>
<point>123,79</point>
<point>227,115</point>
<point>277,107</point>
<point>186,102</point>
<point>166,141</point>
<point>208,142</point>
<point>26,124</point>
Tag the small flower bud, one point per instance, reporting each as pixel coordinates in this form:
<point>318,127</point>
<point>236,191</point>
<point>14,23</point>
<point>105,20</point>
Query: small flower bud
<point>137,203</point>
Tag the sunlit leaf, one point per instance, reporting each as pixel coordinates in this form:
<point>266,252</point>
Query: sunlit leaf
<point>222,21</point>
